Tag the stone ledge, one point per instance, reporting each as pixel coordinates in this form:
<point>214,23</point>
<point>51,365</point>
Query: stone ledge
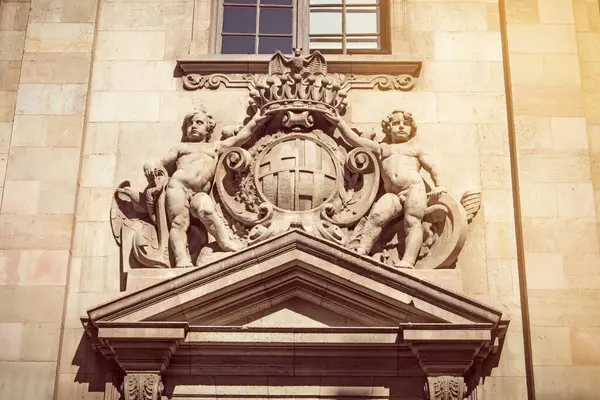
<point>397,64</point>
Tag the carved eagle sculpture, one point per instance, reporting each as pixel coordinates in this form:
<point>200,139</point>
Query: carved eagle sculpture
<point>313,64</point>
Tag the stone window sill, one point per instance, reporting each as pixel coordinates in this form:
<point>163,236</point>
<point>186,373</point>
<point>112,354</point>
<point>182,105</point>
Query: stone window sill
<point>358,64</point>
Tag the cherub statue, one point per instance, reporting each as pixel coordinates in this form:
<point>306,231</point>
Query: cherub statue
<point>400,161</point>
<point>191,166</point>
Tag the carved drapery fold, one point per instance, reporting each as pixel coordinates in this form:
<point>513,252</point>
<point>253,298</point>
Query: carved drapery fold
<point>445,388</point>
<point>142,387</point>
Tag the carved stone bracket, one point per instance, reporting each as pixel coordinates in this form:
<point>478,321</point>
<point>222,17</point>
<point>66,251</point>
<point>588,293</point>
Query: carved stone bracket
<point>142,387</point>
<point>445,388</point>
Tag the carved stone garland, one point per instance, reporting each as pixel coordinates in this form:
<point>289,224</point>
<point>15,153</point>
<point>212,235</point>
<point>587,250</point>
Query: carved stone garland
<point>287,169</point>
<point>142,387</point>
<point>445,388</point>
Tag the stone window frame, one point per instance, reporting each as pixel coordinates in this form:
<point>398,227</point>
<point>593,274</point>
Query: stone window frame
<point>300,29</point>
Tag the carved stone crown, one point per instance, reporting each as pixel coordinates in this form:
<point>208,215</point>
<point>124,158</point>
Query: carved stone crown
<point>299,83</point>
<point>299,93</point>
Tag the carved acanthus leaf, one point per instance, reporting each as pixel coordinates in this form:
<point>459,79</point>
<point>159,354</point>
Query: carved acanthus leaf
<point>142,387</point>
<point>445,388</point>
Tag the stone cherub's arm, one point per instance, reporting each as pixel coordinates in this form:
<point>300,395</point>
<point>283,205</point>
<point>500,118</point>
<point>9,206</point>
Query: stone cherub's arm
<point>168,162</point>
<point>244,134</point>
<point>351,136</point>
<point>429,165</point>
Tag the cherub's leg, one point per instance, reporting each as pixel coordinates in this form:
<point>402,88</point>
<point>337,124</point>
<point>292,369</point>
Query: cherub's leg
<point>179,215</point>
<point>386,208</point>
<point>203,208</point>
<point>416,202</point>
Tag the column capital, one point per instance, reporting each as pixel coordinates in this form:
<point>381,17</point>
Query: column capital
<point>142,386</point>
<point>445,388</point>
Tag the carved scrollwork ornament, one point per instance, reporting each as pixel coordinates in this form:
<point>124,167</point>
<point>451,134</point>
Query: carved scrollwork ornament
<point>445,388</point>
<point>142,387</point>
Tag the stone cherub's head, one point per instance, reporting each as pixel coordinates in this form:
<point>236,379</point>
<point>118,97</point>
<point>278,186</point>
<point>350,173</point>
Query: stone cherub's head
<point>399,126</point>
<point>197,126</point>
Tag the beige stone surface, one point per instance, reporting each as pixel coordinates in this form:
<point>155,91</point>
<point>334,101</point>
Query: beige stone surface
<point>59,37</point>
<point>124,106</point>
<point>134,75</point>
<point>469,46</point>
<point>11,45</point>
<point>46,231</point>
<point>10,341</point>
<point>47,130</point>
<point>13,16</point>
<point>33,267</point>
<point>55,68</point>
<point>584,346</point>
<point>32,303</point>
<point>51,99</point>
<point>7,105</point>
<point>63,11</point>
<point>40,341</point>
<point>158,16</point>
<point>29,380</point>
<point>130,45</point>
<point>98,170</point>
<point>32,163</point>
<point>9,75</point>
<point>545,271</point>
<point>551,345</point>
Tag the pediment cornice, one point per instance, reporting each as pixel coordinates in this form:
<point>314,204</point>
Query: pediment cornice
<point>412,328</point>
<point>308,264</point>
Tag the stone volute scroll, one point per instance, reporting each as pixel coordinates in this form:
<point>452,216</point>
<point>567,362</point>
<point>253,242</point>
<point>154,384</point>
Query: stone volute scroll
<point>295,164</point>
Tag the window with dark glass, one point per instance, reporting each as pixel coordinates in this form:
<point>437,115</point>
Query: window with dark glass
<point>330,26</point>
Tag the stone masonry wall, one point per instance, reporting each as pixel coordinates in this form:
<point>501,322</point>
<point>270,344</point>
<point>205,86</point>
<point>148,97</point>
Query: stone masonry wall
<point>553,53</point>
<point>67,140</point>
<point>45,58</point>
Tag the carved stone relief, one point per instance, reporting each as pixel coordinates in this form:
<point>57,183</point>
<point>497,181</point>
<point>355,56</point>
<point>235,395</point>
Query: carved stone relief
<point>295,164</point>
<point>445,388</point>
<point>142,387</point>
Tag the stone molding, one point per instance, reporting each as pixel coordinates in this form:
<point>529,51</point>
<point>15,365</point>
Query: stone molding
<point>142,387</point>
<point>354,71</point>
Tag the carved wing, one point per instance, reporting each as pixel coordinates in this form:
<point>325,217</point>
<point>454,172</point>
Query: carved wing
<point>279,64</point>
<point>316,64</point>
<point>471,202</point>
<point>127,204</point>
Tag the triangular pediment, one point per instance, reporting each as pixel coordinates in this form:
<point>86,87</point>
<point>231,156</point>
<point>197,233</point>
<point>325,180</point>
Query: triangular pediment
<point>295,267</point>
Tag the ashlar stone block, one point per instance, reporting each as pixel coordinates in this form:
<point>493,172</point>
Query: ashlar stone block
<point>59,37</point>
<point>51,99</point>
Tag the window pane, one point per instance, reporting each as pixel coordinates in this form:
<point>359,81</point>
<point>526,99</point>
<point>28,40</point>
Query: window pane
<point>237,45</point>
<point>278,2</point>
<point>361,2</point>
<point>269,45</point>
<point>325,21</point>
<point>317,43</point>
<point>362,20</point>
<point>326,2</point>
<point>239,19</point>
<point>239,1</point>
<point>276,20</point>
<point>362,42</point>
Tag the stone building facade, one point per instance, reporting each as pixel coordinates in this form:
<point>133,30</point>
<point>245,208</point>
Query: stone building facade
<point>503,94</point>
